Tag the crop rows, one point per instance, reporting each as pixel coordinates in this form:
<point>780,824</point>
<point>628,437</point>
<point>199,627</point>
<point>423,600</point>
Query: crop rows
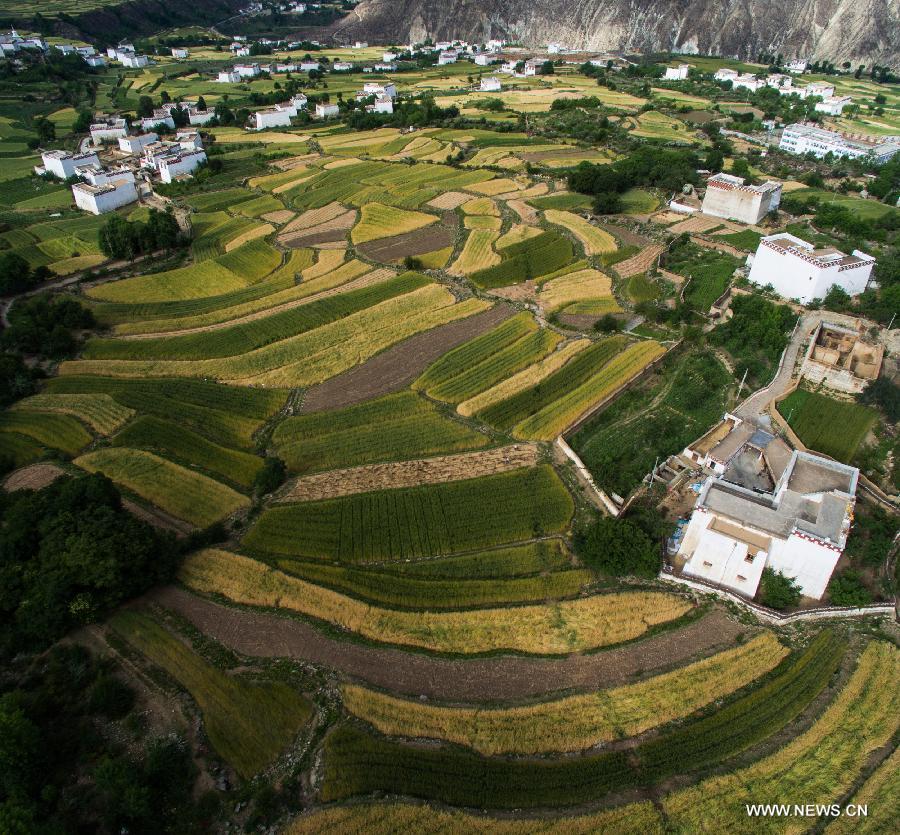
<point>831,426</point>
<point>256,333</point>
<point>573,723</point>
<point>820,764</point>
<point>309,357</point>
<point>379,221</point>
<point>596,241</point>
<point>557,416</point>
<point>532,258</point>
<point>174,441</point>
<point>395,427</point>
<point>393,589</point>
<point>525,560</point>
<point>184,493</point>
<point>563,627</point>
<point>228,415</point>
<point>478,252</point>
<point>589,285</point>
<point>357,762</point>
<point>394,525</point>
<point>507,413</point>
<point>49,429</point>
<point>99,411</point>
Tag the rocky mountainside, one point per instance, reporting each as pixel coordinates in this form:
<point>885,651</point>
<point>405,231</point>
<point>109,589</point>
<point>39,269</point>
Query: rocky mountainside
<point>861,31</point>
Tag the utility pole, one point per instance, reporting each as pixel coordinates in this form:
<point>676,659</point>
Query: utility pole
<point>890,324</point>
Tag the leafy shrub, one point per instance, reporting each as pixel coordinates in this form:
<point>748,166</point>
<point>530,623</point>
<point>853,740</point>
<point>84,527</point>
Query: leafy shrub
<point>848,589</point>
<point>777,591</point>
<point>618,547</point>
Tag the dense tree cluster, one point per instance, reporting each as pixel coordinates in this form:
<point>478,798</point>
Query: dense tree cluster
<point>17,277</point>
<point>406,114</point>
<point>68,554</point>
<point>618,547</point>
<point>61,773</point>
<point>756,335</point>
<point>120,238</point>
<point>44,325</point>
<point>645,166</point>
<point>778,591</point>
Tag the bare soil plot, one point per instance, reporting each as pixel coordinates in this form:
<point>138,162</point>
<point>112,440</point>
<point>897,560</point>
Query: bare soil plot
<point>639,263</point>
<point>526,292</point>
<point>330,231</point>
<point>371,477</point>
<point>696,223</point>
<point>498,678</point>
<point>625,235</point>
<point>449,200</point>
<point>666,217</point>
<point>417,242</point>
<point>399,365</point>
<point>32,477</point>
<point>528,213</point>
<point>158,518</point>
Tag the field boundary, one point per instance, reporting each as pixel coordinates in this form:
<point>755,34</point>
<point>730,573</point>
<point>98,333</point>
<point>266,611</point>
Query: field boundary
<point>667,575</point>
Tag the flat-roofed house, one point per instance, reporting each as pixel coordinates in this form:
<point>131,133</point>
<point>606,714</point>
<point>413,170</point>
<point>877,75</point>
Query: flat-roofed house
<point>833,105</point>
<point>109,130</point>
<point>104,198</point>
<point>180,165</point>
<point>136,144</point>
<point>727,196</point>
<point>679,73</point>
<point>770,507</point>
<point>798,270</point>
<point>491,84</point>
<point>62,164</point>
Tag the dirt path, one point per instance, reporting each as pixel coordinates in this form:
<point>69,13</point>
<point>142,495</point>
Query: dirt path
<point>265,635</point>
<point>370,477</point>
<point>398,366</point>
<point>365,280</point>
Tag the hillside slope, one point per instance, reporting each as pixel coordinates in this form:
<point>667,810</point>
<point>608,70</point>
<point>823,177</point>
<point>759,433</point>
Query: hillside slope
<point>840,30</point>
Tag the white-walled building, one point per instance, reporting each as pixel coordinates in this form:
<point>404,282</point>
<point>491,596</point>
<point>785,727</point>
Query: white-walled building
<point>361,45</point>
<point>534,66</point>
<point>819,88</point>
<point>62,164</point>
<point>327,111</point>
<point>490,84</point>
<point>485,59</point>
<point>189,140</point>
<point>679,73</point>
<point>726,74</point>
<point>136,144</point>
<point>747,82</point>
<point>833,105</point>
<point>95,60</point>
<point>797,270</point>
<point>133,60</point>
<point>310,66</point>
<point>228,77</point>
<point>809,139</point>
<point>377,89</point>
<point>779,81</point>
<point>200,117</point>
<point>447,57</point>
<point>155,152</point>
<point>798,65</point>
<point>341,66</point>
<point>160,117</point>
<point>727,196</point>
<point>295,105</point>
<point>104,198</point>
<point>273,117</point>
<point>96,175</point>
<point>388,57</point>
<point>767,510</point>
<point>185,163</point>
<point>383,104</point>
<point>109,131</point>
<point>247,70</point>
<point>180,52</point>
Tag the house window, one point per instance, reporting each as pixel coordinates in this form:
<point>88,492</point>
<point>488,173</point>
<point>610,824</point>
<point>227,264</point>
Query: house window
<point>707,564</point>
<point>749,558</point>
<point>742,578</point>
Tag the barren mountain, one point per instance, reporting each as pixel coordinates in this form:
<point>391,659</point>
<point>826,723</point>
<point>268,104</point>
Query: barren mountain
<point>864,31</point>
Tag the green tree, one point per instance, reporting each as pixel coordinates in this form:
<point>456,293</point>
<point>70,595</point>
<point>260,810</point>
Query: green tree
<point>618,547</point>
<point>778,591</point>
<point>145,106</point>
<point>848,589</point>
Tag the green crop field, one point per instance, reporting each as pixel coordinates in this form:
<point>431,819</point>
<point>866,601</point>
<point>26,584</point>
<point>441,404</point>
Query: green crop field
<point>228,415</point>
<point>248,722</point>
<point>394,525</point>
<point>392,588</point>
<point>257,333</point>
<point>175,489</point>
<point>100,412</point>
<point>835,427</point>
<point>180,444</point>
<point>49,429</point>
<point>532,258</point>
<point>390,428</point>
<point>486,360</point>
